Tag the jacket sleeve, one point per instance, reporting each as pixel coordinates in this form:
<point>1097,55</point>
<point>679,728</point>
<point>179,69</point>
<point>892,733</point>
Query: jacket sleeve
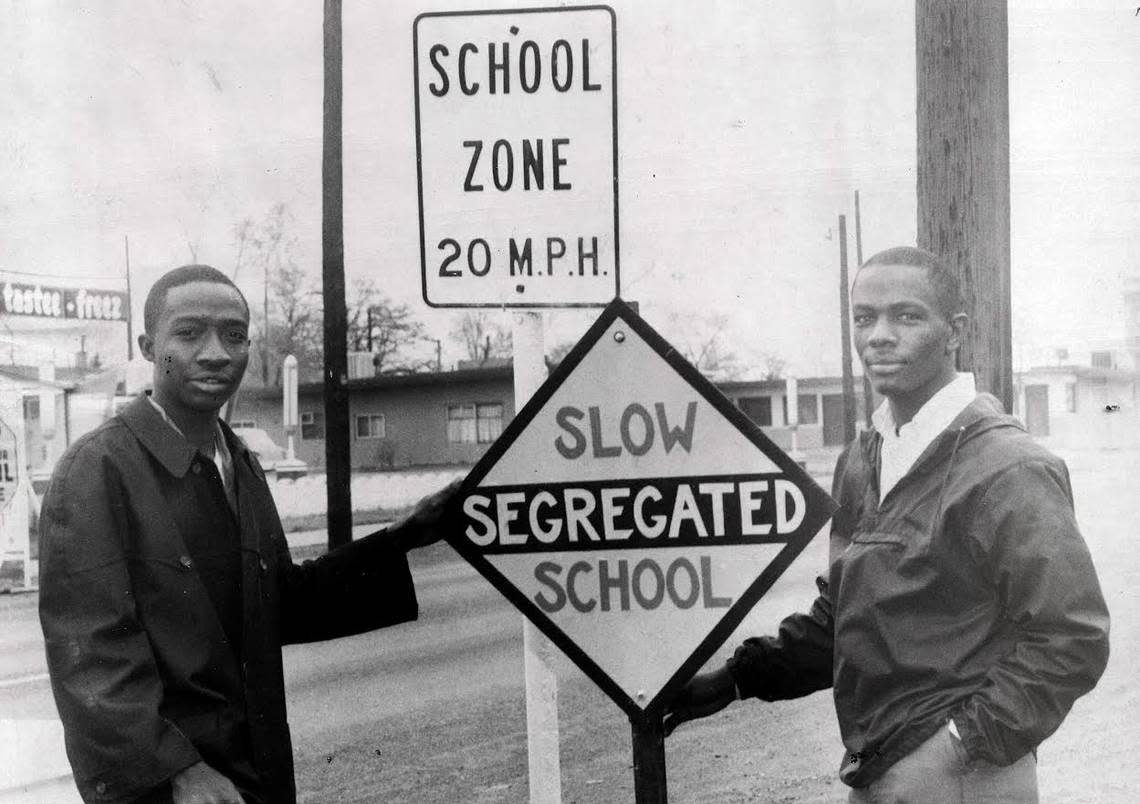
<point>103,674</point>
<point>1026,532</point>
<point>798,660</point>
<point>795,662</point>
<point>359,587</point>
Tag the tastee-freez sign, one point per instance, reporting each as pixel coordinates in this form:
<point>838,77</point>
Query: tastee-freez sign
<point>516,142</point>
<point>633,513</point>
<point>17,298</point>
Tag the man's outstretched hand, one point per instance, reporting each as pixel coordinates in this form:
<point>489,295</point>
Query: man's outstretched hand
<point>429,520</point>
<point>704,695</point>
<point>201,784</point>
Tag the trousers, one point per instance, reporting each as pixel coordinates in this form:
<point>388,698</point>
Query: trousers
<point>939,772</point>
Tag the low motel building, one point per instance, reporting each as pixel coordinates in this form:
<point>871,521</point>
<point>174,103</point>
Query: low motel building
<point>452,417</point>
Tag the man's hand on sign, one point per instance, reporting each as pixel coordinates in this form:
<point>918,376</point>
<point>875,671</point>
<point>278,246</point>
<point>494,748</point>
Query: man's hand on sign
<point>430,520</point>
<point>704,695</point>
<point>201,784</point>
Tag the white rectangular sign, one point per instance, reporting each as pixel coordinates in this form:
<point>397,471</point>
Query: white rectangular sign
<point>516,140</point>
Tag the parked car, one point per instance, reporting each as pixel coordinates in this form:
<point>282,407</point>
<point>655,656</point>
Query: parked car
<point>260,444</point>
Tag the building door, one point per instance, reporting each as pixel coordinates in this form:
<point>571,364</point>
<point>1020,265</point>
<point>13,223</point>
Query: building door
<point>1037,409</point>
<point>833,420</point>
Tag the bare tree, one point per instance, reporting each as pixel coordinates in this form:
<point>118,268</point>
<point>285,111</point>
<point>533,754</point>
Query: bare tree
<point>268,245</point>
<point>388,330</point>
<point>558,353</point>
<point>482,337</point>
<point>297,324</point>
<point>774,366</point>
<point>702,340</point>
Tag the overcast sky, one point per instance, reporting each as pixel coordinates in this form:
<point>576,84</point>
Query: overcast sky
<point>744,129</point>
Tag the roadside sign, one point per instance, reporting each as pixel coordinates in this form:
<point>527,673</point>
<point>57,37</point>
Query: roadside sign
<point>84,304</point>
<point>16,570</point>
<point>634,514</point>
<point>516,147</point>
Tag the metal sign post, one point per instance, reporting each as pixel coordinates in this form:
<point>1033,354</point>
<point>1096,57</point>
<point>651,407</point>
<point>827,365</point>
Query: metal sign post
<point>516,146</point>
<point>544,767</point>
<point>635,516</point>
<point>649,785</point>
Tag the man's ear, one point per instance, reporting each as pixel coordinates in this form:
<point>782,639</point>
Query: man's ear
<point>146,346</point>
<point>957,332</point>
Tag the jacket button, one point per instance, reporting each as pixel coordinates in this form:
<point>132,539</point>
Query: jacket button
<point>264,566</point>
<point>101,788</point>
<point>197,468</point>
<point>186,562</point>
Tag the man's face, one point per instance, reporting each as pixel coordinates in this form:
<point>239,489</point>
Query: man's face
<point>906,343</point>
<point>200,348</point>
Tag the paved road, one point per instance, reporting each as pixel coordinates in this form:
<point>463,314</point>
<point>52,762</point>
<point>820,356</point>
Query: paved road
<point>440,679</point>
<point>465,648</point>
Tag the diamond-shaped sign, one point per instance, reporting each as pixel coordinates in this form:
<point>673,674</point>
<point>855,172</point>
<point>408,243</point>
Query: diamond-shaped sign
<point>633,513</point>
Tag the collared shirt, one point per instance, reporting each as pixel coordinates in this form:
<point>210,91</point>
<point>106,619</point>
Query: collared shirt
<point>223,459</point>
<point>903,444</point>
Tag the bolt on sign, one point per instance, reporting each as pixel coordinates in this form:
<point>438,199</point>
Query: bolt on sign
<point>634,514</point>
<point>516,145</point>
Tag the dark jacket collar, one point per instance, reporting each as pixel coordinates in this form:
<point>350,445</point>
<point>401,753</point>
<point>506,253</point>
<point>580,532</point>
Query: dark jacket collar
<point>169,448</point>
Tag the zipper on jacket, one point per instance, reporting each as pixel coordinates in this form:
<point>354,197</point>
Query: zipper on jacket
<point>908,476</point>
<point>946,479</point>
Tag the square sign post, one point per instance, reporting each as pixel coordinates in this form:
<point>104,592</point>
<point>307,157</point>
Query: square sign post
<point>516,141</point>
<point>516,148</point>
<point>635,515</point>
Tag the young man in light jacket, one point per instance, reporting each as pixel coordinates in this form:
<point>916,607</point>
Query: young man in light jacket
<point>961,615</point>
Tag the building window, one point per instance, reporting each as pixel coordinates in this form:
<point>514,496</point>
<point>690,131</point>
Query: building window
<point>246,424</point>
<point>312,425</point>
<point>370,426</point>
<point>1102,360</point>
<point>1071,397</point>
<point>807,408</point>
<point>757,408</point>
<point>474,424</point>
<point>31,408</point>
<point>489,422</point>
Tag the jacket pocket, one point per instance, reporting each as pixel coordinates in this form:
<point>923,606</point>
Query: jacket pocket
<point>879,537</point>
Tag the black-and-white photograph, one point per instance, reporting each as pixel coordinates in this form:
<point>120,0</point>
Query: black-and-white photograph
<point>730,401</point>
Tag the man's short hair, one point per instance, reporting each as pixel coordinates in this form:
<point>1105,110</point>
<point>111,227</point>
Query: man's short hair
<point>183,275</point>
<point>947,290</point>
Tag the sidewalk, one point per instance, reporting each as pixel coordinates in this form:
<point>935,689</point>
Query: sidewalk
<point>33,766</point>
<point>308,538</point>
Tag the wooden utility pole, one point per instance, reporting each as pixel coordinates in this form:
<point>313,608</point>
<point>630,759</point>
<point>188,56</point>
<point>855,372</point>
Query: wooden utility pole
<point>130,301</point>
<point>337,474</point>
<point>963,171</point>
<point>845,329</point>
<point>868,395</point>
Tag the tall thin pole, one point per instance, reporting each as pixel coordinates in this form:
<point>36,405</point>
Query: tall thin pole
<point>868,396</point>
<point>845,326</point>
<point>335,310</point>
<point>544,769</point>
<point>265,317</point>
<point>963,171</point>
<point>130,330</point>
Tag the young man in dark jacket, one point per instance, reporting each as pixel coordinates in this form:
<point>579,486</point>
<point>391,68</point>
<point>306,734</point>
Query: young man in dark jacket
<point>961,615</point>
<point>167,589</point>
